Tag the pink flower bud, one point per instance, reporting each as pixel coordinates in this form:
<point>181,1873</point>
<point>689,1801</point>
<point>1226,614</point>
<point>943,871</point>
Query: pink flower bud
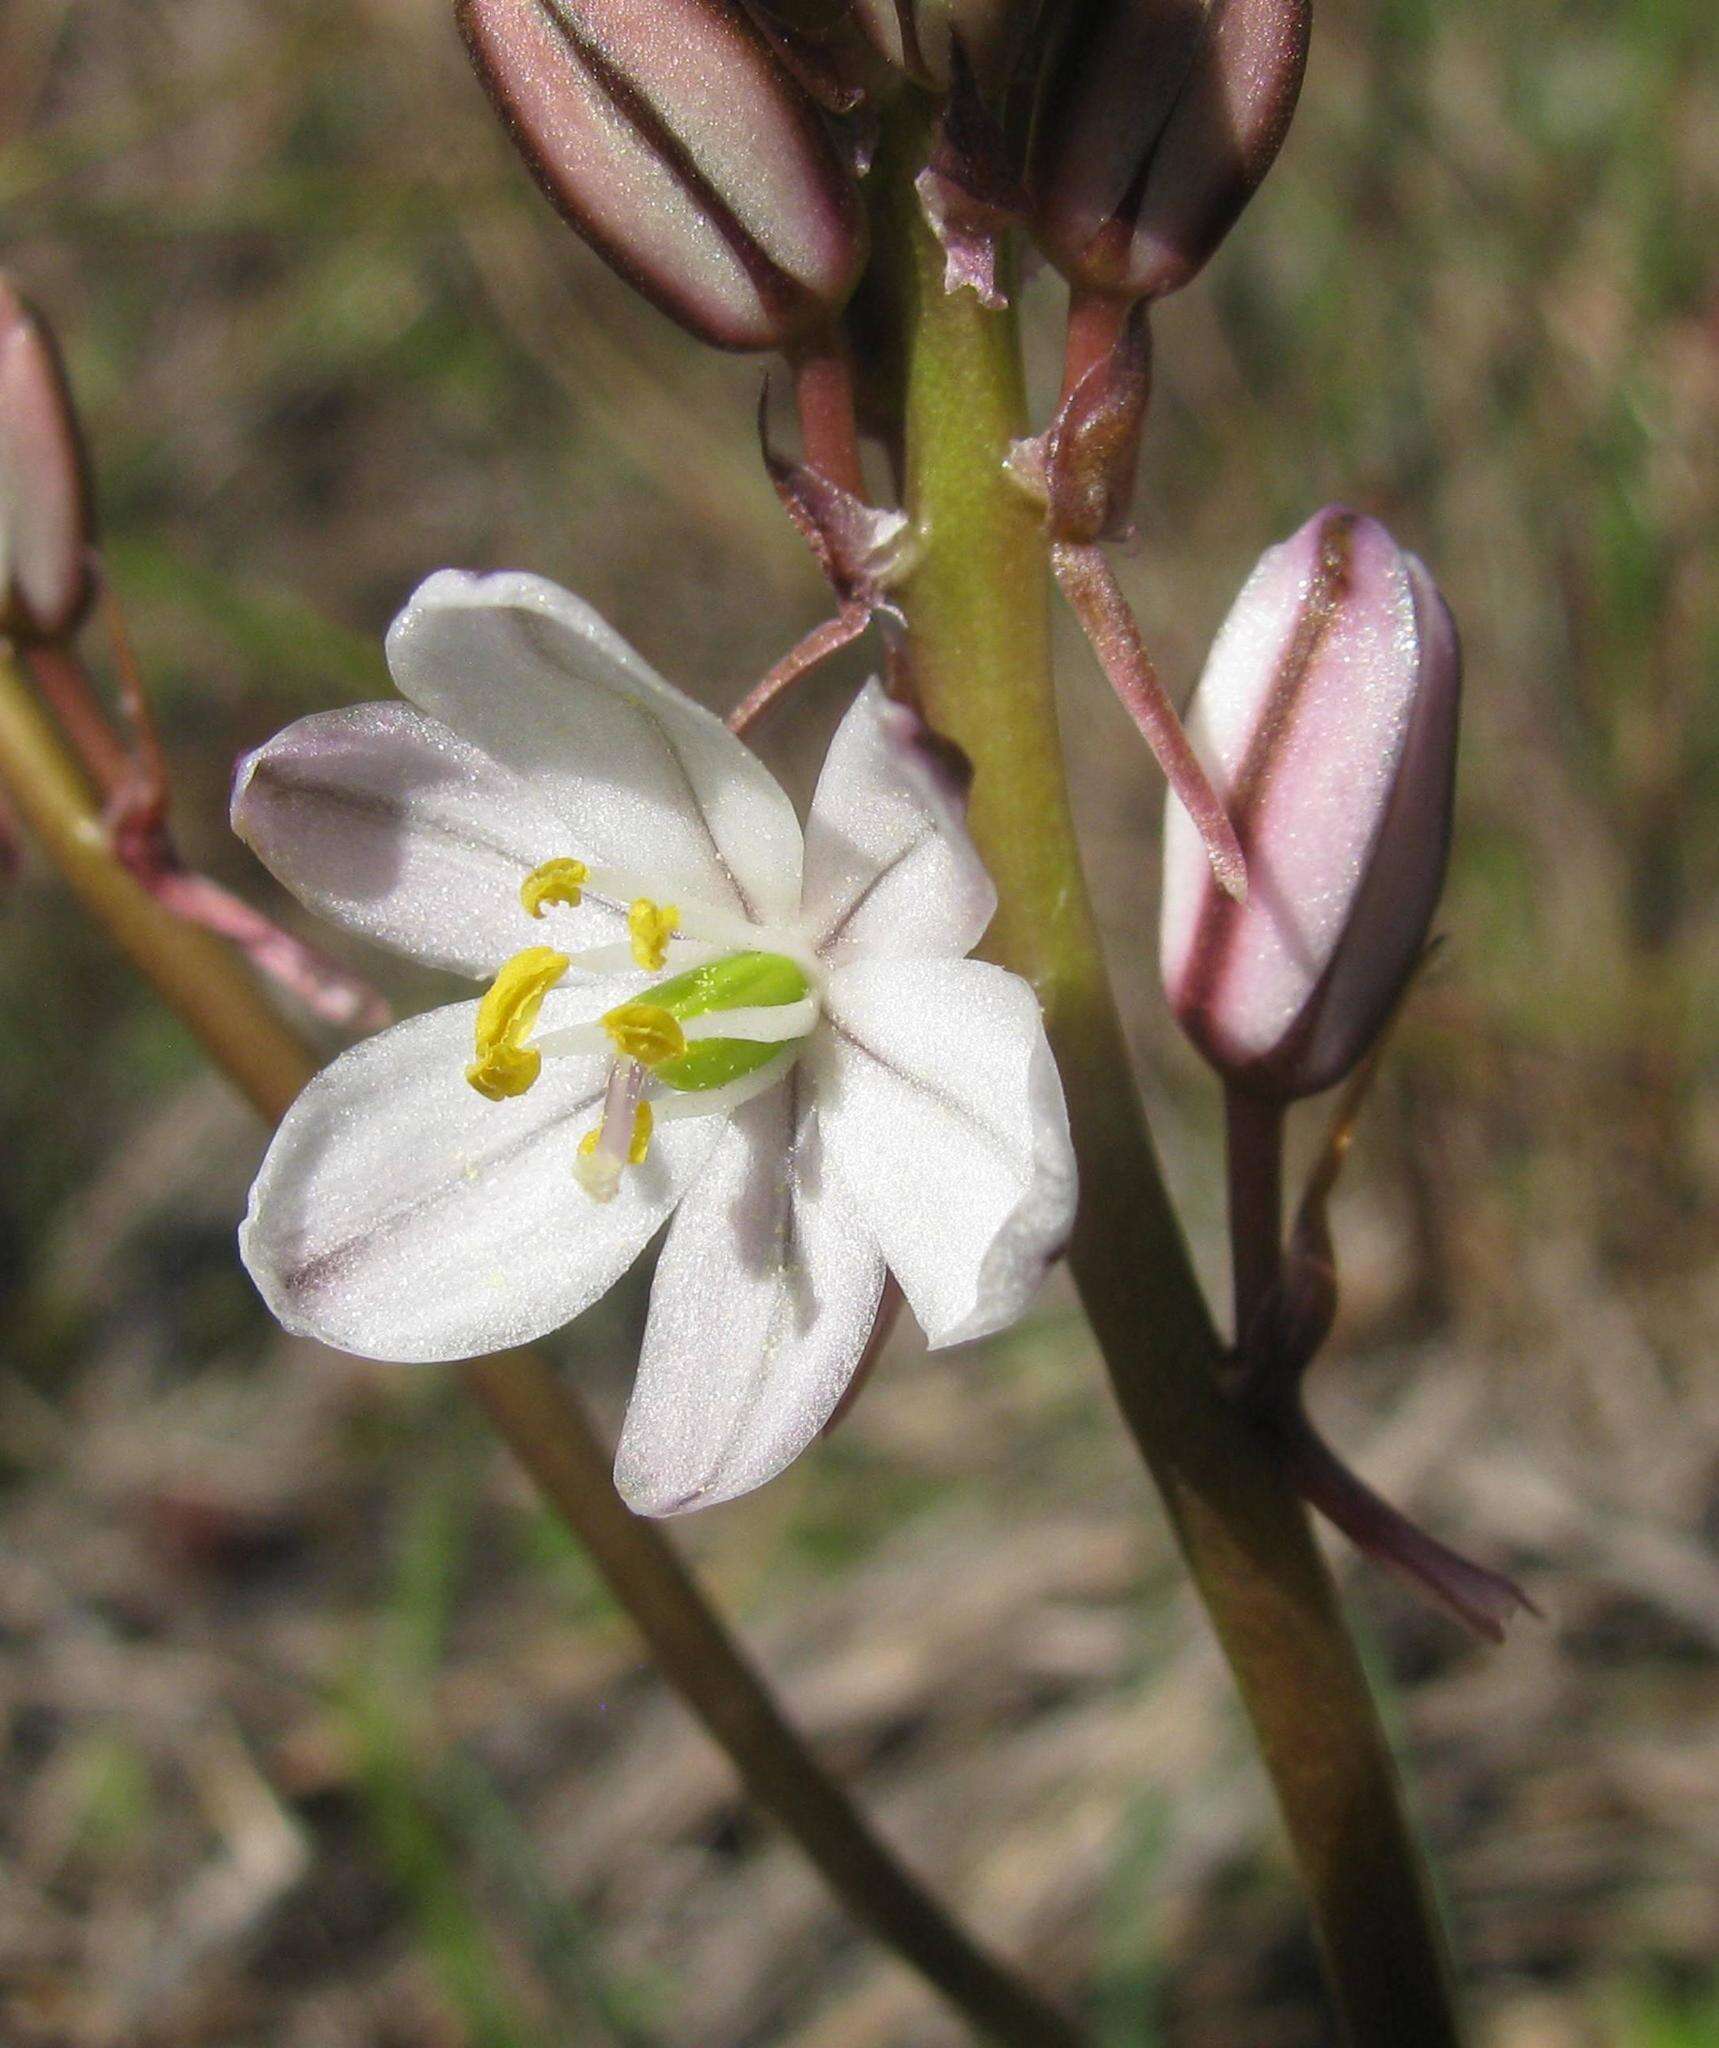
<point>1159,120</point>
<point>1326,719</point>
<point>669,135</point>
<point>45,518</point>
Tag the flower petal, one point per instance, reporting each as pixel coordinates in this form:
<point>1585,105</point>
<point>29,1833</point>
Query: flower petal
<point>764,1300</point>
<point>942,1112</point>
<point>396,827</point>
<point>400,1215</point>
<point>642,778</point>
<point>889,866</point>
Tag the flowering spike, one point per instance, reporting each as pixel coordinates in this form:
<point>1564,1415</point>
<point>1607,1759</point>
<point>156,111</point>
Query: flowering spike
<point>669,134</point>
<point>1160,118</point>
<point>1326,719</point>
<point>46,521</point>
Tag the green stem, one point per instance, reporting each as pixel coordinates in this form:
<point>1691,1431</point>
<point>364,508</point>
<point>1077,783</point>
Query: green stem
<point>212,993</point>
<point>978,614</point>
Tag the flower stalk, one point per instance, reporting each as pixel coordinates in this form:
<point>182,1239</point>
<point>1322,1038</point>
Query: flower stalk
<point>977,607</point>
<point>65,686</point>
<point>1096,599</point>
<point>823,376</point>
<point>211,992</point>
<point>1253,1157</point>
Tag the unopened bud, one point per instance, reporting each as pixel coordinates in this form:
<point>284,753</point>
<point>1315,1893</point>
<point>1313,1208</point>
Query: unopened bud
<point>918,36</point>
<point>45,518</point>
<point>669,135</point>
<point>1326,719</point>
<point>1159,120</point>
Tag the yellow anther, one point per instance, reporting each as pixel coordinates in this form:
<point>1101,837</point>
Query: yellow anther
<point>646,1033</point>
<point>505,1064</point>
<point>643,1124</point>
<point>557,881</point>
<point>650,926</point>
<point>639,1147</point>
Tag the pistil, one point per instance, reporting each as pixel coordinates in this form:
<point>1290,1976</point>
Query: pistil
<point>622,1139</point>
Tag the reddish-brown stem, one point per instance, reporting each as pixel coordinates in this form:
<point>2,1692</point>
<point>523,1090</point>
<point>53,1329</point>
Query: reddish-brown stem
<point>824,398</point>
<point>547,1430</point>
<point>1097,601</point>
<point>1253,1151</point>
<point>1095,324</point>
<point>1484,1601</point>
<point>68,690</point>
<point>818,645</point>
<point>149,762</point>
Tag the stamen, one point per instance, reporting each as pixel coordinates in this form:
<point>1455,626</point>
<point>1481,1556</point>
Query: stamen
<point>622,1139</point>
<point>755,1024</point>
<point>650,927</point>
<point>618,959</point>
<point>645,1032</point>
<point>505,1064</point>
<point>557,881</point>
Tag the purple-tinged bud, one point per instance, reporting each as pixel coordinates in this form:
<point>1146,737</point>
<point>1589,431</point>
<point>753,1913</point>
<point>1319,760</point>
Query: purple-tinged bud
<point>818,50</point>
<point>1326,719</point>
<point>669,135</point>
<point>918,36</point>
<point>45,510</point>
<point>1159,120</point>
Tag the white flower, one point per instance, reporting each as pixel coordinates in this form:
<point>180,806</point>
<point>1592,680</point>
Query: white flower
<point>694,1008</point>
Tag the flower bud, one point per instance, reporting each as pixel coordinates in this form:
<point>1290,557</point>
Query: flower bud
<point>1159,120</point>
<point>45,516</point>
<point>671,138</point>
<point>1326,719</point>
<point>918,36</point>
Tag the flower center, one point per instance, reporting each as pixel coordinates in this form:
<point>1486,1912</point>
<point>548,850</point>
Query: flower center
<point>699,1042</point>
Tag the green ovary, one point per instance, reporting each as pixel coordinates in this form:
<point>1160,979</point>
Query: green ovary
<point>743,981</point>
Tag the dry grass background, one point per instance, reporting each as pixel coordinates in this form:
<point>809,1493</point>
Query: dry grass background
<point>316,1733</point>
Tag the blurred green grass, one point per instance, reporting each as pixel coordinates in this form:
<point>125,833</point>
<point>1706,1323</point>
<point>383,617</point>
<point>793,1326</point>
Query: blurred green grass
<point>327,339</point>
